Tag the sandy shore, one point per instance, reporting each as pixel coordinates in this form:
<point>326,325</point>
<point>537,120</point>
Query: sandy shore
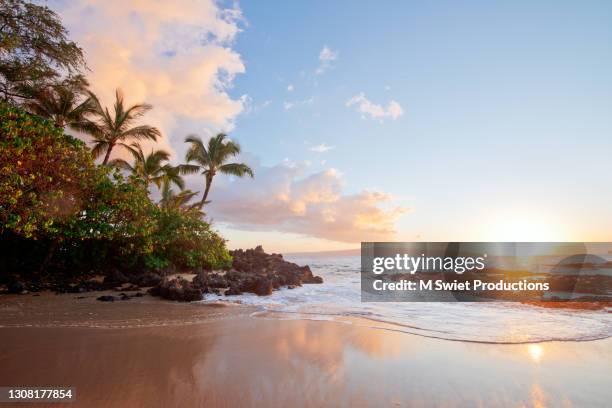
<point>153,353</point>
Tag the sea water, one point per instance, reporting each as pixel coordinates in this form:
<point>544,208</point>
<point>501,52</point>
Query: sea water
<point>505,322</point>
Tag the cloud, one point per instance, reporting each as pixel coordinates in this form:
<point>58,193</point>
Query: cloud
<point>293,104</point>
<point>282,198</point>
<point>290,88</point>
<point>177,55</point>
<point>326,59</point>
<point>368,108</point>
<point>321,148</point>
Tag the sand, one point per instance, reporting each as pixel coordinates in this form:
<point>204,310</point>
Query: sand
<point>201,356</point>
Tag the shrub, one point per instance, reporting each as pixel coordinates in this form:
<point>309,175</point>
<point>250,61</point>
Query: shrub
<point>62,214</point>
<point>184,240</point>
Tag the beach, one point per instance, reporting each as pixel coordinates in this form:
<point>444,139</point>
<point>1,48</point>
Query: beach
<point>148,352</point>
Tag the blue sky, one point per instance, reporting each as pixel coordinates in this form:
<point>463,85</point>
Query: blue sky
<point>505,131</point>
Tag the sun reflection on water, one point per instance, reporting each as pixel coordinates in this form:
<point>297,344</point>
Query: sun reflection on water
<point>535,352</point>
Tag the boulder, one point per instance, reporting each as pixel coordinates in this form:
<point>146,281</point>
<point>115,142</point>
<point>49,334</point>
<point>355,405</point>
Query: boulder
<point>106,298</point>
<point>178,289</point>
<point>263,286</point>
<point>16,287</point>
<point>147,279</point>
<point>116,277</point>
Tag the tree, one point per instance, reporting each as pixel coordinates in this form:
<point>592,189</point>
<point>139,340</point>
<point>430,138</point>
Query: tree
<point>151,168</point>
<point>172,200</point>
<point>109,130</point>
<point>211,159</point>
<point>43,173</point>
<point>54,198</point>
<point>63,102</point>
<point>34,49</point>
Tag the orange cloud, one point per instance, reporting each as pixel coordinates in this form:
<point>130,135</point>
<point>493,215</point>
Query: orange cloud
<point>281,198</point>
<point>175,55</point>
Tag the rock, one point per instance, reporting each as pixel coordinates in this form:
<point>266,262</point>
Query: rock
<point>123,296</point>
<point>263,287</point>
<point>116,277</point>
<point>126,287</point>
<point>233,290</point>
<point>147,279</point>
<point>16,287</point>
<point>177,289</point>
<point>257,272</point>
<point>106,298</point>
<point>93,284</point>
<point>138,294</point>
<point>314,279</point>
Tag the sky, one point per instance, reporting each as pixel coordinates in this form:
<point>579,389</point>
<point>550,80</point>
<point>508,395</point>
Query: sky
<point>375,121</point>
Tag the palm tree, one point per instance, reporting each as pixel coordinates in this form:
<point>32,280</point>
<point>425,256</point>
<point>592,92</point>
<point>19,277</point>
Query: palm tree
<point>212,159</point>
<point>109,130</point>
<point>171,200</point>
<point>62,102</point>
<point>151,168</point>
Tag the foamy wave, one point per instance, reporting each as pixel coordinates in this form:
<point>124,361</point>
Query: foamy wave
<point>340,297</point>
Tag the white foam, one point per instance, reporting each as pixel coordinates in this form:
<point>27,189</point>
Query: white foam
<point>340,295</point>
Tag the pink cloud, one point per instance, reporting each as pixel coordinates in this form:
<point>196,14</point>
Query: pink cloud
<point>176,55</point>
<point>282,198</point>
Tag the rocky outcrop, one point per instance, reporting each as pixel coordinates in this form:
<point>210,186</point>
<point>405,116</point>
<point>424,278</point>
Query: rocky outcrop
<point>147,279</point>
<point>178,289</point>
<point>254,271</point>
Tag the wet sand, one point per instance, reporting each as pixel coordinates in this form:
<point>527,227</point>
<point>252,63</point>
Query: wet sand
<point>223,357</point>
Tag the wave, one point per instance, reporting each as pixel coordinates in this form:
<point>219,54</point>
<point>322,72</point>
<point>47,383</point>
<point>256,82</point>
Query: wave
<point>339,297</point>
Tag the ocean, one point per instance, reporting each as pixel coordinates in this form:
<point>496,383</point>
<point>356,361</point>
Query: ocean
<point>339,297</point>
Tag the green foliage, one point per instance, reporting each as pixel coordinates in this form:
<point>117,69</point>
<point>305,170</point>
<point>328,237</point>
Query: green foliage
<point>184,240</point>
<point>212,158</point>
<point>109,130</point>
<point>69,215</point>
<point>44,174</point>
<point>34,48</point>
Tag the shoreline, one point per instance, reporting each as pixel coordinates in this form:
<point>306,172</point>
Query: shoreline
<point>193,354</point>
<point>244,361</point>
<point>52,310</point>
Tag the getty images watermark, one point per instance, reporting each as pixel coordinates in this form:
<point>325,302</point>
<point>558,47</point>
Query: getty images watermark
<point>486,271</point>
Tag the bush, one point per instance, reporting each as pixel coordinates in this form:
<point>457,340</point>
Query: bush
<point>43,174</point>
<point>185,241</point>
<point>60,214</point>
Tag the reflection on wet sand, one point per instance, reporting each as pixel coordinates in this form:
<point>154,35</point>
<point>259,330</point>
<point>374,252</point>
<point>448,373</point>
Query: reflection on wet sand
<point>265,362</point>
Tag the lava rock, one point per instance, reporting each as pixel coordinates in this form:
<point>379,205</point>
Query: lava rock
<point>106,298</point>
<point>116,277</point>
<point>16,287</point>
<point>263,287</point>
<point>147,279</point>
<point>177,289</point>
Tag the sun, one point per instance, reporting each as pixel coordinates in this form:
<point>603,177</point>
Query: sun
<point>525,228</point>
<point>535,352</point>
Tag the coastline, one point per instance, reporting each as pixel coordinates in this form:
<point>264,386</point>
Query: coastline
<point>185,354</point>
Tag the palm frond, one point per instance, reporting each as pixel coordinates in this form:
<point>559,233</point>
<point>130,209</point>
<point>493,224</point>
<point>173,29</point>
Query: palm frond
<point>236,169</point>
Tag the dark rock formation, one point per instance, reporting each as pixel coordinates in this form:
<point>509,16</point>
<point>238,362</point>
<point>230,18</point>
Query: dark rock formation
<point>116,278</point>
<point>177,289</point>
<point>256,272</point>
<point>16,287</point>
<point>106,298</point>
<point>147,279</point>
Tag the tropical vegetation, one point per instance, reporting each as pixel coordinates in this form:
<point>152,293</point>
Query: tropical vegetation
<point>64,216</point>
<point>212,159</point>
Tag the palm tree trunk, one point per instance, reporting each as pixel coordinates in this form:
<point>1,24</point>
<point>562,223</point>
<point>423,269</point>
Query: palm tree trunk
<point>206,190</point>
<point>108,152</point>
